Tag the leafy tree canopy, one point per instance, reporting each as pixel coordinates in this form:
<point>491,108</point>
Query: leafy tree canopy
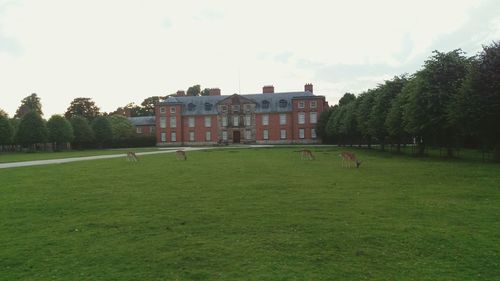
<point>84,107</point>
<point>32,129</point>
<point>6,130</point>
<point>60,129</point>
<point>28,104</point>
<point>194,90</point>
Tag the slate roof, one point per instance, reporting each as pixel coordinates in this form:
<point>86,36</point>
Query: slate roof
<point>195,105</point>
<point>142,121</point>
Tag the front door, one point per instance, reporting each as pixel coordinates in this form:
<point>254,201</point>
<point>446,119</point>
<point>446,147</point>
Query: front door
<point>236,137</point>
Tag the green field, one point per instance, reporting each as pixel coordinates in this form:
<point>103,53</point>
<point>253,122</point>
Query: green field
<point>252,214</point>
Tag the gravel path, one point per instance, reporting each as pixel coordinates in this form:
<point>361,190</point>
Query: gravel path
<point>87,158</point>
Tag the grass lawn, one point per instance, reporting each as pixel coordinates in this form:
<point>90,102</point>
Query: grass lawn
<point>24,156</point>
<point>251,214</point>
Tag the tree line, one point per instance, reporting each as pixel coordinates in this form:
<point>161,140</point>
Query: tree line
<point>82,126</point>
<point>451,102</point>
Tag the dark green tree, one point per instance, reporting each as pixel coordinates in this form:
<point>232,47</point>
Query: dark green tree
<point>32,130</point>
<point>6,131</point>
<point>3,113</point>
<point>194,90</point>
<point>394,120</point>
<point>121,127</point>
<point>205,92</point>
<point>385,94</point>
<point>60,131</point>
<point>28,104</point>
<point>321,126</point>
<point>346,99</point>
<point>479,99</point>
<point>102,131</point>
<point>148,105</point>
<point>432,98</point>
<point>84,107</point>
<point>363,109</point>
<point>84,136</point>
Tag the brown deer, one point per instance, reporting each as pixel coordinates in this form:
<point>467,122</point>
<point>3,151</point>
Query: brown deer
<point>180,154</point>
<point>306,154</point>
<point>348,158</point>
<point>132,157</point>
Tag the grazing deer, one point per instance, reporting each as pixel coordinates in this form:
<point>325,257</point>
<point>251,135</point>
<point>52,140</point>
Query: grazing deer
<point>306,154</point>
<point>180,154</point>
<point>348,158</point>
<point>132,157</point>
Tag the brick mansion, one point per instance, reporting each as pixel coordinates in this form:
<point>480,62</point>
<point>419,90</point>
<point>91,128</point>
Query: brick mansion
<point>264,118</point>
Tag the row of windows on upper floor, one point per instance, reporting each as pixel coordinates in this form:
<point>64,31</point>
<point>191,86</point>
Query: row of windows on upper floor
<point>236,108</point>
<point>247,120</point>
<point>248,135</point>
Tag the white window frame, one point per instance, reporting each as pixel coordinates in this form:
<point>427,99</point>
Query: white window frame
<point>302,133</point>
<point>248,134</point>
<point>138,130</point>
<point>208,136</point>
<point>208,121</point>
<point>283,118</point>
<point>163,122</point>
<point>301,104</point>
<point>236,121</point>
<point>265,134</point>
<point>163,137</point>
<point>313,133</point>
<point>191,135</point>
<point>283,134</point>
<point>163,109</point>
<point>265,119</point>
<point>224,135</point>
<point>191,121</point>
<point>172,109</point>
<point>224,121</point>
<point>248,120</point>
<point>173,136</point>
<point>313,104</point>
<point>313,117</point>
<point>301,118</point>
<point>173,122</point>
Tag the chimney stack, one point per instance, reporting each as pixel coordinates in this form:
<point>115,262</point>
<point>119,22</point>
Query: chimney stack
<point>214,92</point>
<point>181,93</point>
<point>268,89</point>
<point>308,88</point>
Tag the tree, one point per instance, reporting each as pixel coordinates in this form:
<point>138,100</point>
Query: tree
<point>431,99</point>
<point>363,109</point>
<point>149,104</point>
<point>60,131</point>
<point>84,107</point>
<point>3,113</point>
<point>84,136</point>
<point>386,93</point>
<point>6,131</point>
<point>479,99</point>
<point>28,104</point>
<point>194,90</point>
<point>121,127</point>
<point>321,129</point>
<point>394,120</point>
<point>102,131</point>
<point>346,99</point>
<point>32,130</point>
<point>205,92</point>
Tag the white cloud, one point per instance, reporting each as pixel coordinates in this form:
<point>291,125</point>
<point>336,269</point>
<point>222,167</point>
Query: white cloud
<point>124,51</point>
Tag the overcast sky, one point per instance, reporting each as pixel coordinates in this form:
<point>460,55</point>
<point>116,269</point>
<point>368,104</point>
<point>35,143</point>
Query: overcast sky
<point>120,51</point>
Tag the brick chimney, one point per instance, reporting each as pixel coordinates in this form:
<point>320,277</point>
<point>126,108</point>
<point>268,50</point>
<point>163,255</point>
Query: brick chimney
<point>181,93</point>
<point>268,89</point>
<point>308,88</point>
<point>214,92</point>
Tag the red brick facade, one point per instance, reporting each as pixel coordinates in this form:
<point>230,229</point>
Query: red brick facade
<point>267,118</point>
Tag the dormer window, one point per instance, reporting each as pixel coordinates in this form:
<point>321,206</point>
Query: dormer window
<point>191,106</point>
<point>223,108</point>
<point>283,103</point>
<point>265,104</point>
<point>208,106</point>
